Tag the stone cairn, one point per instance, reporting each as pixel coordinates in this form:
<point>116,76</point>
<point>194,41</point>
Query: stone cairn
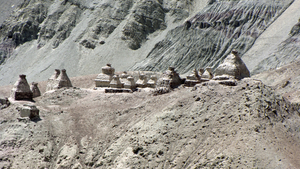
<point>35,89</point>
<point>104,78</point>
<point>21,90</point>
<point>52,79</point>
<point>232,67</point>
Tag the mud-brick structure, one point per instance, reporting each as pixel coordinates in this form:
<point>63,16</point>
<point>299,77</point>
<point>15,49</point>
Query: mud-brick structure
<point>207,73</point>
<point>115,82</point>
<point>142,82</point>
<point>62,80</point>
<point>52,79</point>
<point>104,78</point>
<point>233,67</point>
<point>130,83</point>
<point>169,79</point>
<point>152,82</point>
<point>21,89</point>
<point>192,79</point>
<point>35,90</point>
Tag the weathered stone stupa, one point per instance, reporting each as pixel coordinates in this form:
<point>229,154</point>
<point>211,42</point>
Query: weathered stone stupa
<point>52,79</point>
<point>35,89</point>
<point>152,82</point>
<point>142,82</point>
<point>21,89</point>
<point>130,84</point>
<point>233,66</point>
<point>170,79</point>
<point>207,73</point>
<point>193,79</point>
<point>115,82</point>
<point>62,80</point>
<point>104,78</point>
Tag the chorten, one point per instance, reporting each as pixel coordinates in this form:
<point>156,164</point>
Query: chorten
<point>142,82</point>
<point>35,90</point>
<point>130,84</point>
<point>51,80</point>
<point>104,78</point>
<point>152,82</point>
<point>62,80</point>
<point>207,74</point>
<point>115,82</point>
<point>21,89</point>
<point>233,66</point>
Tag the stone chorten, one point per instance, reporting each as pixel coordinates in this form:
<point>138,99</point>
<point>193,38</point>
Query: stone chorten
<point>207,74</point>
<point>152,82</point>
<point>62,80</point>
<point>193,79</point>
<point>115,82</point>
<point>21,89</point>
<point>104,78</point>
<point>233,66</point>
<point>52,79</point>
<point>201,71</point>
<point>142,82</point>
<point>123,77</point>
<point>35,89</point>
<point>170,79</point>
<point>130,84</point>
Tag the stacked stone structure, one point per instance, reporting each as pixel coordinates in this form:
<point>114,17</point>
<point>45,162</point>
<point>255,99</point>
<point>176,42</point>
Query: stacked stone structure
<point>130,84</point>
<point>21,89</point>
<point>193,79</point>
<point>104,78</point>
<point>169,79</point>
<point>115,82</point>
<point>152,82</point>
<point>142,82</point>
<point>52,79</point>
<point>207,74</point>
<point>232,67</point>
<point>62,80</point>
<point>35,90</point>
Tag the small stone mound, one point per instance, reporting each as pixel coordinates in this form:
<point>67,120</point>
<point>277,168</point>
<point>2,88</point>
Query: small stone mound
<point>233,66</point>
<point>170,78</point>
<point>4,103</point>
<point>21,89</point>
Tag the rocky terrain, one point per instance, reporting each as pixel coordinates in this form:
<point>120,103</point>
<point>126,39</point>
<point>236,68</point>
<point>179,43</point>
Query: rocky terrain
<point>249,123</point>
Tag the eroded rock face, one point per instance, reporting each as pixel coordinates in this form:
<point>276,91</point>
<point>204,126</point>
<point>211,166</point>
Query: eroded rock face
<point>205,39</point>
<point>233,66</point>
<point>21,90</point>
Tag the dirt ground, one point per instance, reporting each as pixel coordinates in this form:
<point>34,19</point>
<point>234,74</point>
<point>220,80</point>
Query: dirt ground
<point>208,126</point>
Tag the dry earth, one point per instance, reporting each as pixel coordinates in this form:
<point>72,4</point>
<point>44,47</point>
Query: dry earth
<point>209,126</point>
